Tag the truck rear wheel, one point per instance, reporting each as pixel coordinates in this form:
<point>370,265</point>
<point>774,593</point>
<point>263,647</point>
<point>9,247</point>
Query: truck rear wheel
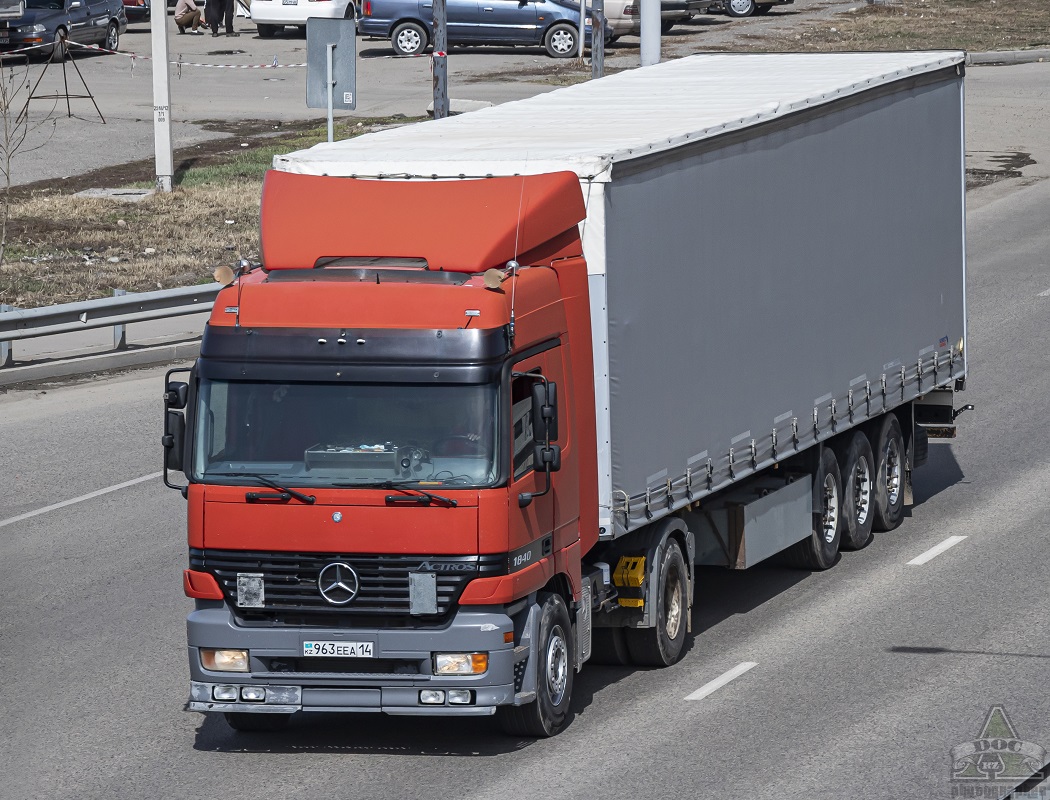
<point>858,492</point>
<point>662,645</point>
<point>546,715</point>
<point>820,549</point>
<point>888,447</point>
<point>257,723</point>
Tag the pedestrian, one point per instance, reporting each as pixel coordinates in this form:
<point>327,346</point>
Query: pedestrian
<point>187,15</point>
<point>220,11</point>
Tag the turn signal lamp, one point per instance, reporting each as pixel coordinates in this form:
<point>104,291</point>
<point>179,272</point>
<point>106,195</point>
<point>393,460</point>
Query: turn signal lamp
<point>224,660</point>
<point>460,663</point>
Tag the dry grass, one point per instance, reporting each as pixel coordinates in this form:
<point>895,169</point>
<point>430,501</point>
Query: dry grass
<point>973,25</point>
<point>63,248</point>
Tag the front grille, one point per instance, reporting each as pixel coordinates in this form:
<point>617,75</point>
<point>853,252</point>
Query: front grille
<point>343,666</point>
<point>291,595</point>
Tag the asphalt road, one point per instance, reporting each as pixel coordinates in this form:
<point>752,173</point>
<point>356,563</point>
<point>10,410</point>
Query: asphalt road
<point>867,675</point>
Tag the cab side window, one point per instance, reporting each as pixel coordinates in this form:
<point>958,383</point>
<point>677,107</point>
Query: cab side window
<point>522,436</point>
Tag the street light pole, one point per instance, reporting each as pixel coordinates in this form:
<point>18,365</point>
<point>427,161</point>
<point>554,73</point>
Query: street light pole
<point>161,98</point>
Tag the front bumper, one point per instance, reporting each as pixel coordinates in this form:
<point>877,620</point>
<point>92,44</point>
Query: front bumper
<point>390,682</point>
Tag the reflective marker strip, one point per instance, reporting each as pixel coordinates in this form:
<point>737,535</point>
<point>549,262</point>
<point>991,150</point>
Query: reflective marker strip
<point>933,552</point>
<point>722,680</point>
<point>82,498</point>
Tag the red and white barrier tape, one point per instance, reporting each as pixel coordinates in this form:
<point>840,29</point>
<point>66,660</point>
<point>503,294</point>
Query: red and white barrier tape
<point>180,63</point>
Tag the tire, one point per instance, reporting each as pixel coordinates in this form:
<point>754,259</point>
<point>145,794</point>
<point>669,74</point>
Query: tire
<point>58,51</point>
<point>609,647</point>
<point>761,9</point>
<point>858,492</point>
<point>112,36</point>
<point>820,550</point>
<point>546,715</point>
<point>739,8</point>
<point>662,645</point>
<point>887,444</point>
<point>409,39</point>
<point>266,31</point>
<point>257,723</point>
<point>561,40</point>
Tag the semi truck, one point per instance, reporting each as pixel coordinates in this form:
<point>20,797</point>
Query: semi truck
<point>502,382</point>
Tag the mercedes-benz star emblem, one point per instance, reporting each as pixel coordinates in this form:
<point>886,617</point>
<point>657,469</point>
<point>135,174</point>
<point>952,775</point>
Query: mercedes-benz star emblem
<point>338,583</point>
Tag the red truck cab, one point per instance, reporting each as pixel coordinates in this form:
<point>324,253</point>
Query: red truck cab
<point>380,518</point>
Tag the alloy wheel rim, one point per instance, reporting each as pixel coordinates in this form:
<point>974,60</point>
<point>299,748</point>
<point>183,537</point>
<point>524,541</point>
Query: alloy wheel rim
<point>862,491</point>
<point>893,472</point>
<point>673,604</point>
<point>557,667</point>
<point>830,518</point>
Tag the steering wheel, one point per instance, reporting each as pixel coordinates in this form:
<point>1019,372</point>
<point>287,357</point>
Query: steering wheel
<point>458,445</point>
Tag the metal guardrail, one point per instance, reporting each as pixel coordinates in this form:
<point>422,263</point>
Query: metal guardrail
<point>115,312</point>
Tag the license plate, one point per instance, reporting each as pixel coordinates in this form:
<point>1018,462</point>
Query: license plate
<point>289,2</point>
<point>338,649</point>
<point>4,40</point>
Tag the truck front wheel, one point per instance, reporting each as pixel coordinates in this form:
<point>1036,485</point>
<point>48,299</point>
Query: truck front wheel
<point>662,645</point>
<point>546,715</point>
<point>257,723</point>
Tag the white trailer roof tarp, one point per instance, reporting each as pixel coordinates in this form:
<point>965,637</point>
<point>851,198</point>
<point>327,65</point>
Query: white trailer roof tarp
<point>588,127</point>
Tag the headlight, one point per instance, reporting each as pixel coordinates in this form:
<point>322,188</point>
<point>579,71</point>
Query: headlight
<point>460,663</point>
<point>224,660</point>
<point>31,29</point>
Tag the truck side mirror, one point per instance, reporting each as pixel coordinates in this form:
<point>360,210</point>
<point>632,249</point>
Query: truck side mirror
<point>544,457</point>
<point>176,398</point>
<point>176,394</point>
<point>545,411</point>
<point>173,440</point>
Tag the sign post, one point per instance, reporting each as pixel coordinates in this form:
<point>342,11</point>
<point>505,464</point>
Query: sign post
<point>331,66</point>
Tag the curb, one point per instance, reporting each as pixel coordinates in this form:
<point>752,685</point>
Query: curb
<point>102,362</point>
<point>1008,57</point>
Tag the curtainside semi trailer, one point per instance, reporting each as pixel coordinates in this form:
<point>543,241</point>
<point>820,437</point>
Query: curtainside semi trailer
<point>503,380</point>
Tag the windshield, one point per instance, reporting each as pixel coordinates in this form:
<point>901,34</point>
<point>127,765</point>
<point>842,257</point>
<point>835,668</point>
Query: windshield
<point>339,434</point>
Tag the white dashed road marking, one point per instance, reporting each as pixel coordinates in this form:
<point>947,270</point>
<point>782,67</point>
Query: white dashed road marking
<point>933,552</point>
<point>82,498</point>
<point>722,680</point>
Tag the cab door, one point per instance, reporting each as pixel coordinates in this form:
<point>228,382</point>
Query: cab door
<point>531,526</point>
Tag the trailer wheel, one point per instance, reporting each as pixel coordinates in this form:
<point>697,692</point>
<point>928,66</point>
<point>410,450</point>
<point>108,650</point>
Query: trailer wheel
<point>257,723</point>
<point>858,492</point>
<point>888,447</point>
<point>820,549</point>
<point>546,715</point>
<point>662,645</point>
<point>609,647</point>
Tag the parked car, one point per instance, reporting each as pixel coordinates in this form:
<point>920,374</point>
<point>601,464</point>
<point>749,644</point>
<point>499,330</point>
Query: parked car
<point>137,10</point>
<point>270,16</point>
<point>625,17</point>
<point>745,8</point>
<point>408,24</point>
<point>49,22</point>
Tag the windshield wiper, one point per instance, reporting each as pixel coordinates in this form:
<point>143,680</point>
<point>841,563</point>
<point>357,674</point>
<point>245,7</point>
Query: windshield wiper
<point>412,494</point>
<point>309,499</point>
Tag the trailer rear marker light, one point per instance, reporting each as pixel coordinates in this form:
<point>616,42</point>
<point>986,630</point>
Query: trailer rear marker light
<point>933,552</point>
<point>722,680</point>
<point>82,498</point>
